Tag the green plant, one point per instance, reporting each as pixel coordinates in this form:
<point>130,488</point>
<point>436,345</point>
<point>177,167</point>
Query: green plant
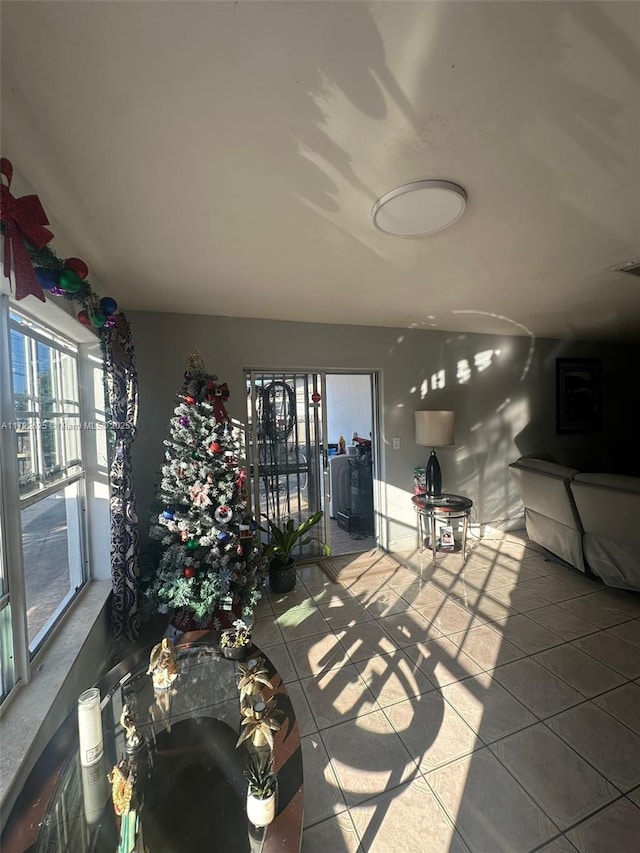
<point>237,636</point>
<point>262,780</point>
<point>283,539</point>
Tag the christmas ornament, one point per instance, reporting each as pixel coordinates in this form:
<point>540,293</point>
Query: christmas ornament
<point>47,279</point>
<point>184,421</point>
<point>108,305</point>
<point>315,397</point>
<point>195,454</point>
<point>98,319</point>
<point>23,219</point>
<point>78,266</point>
<point>200,495</point>
<point>111,321</point>
<point>239,550</point>
<point>187,375</point>
<point>168,514</point>
<point>193,544</point>
<point>196,361</point>
<point>222,536</point>
<point>189,571</point>
<point>223,515</point>
<point>83,318</point>
<point>69,281</point>
<point>215,447</point>
<point>189,400</point>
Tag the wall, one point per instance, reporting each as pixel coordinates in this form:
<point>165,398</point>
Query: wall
<point>502,389</point>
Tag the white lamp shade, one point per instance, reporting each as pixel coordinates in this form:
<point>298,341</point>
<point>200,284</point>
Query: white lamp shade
<point>434,429</point>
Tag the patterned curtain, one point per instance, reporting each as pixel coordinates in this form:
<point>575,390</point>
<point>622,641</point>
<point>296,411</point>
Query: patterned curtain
<point>122,392</point>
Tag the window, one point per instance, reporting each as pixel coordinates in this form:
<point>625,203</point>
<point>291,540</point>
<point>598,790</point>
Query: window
<point>43,547</point>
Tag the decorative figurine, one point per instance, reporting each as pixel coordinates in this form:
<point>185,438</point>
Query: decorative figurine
<point>163,667</point>
<point>133,739</point>
<point>252,677</point>
<point>260,721</point>
<point>122,781</point>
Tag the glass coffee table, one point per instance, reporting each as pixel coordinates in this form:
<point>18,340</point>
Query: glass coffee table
<point>441,508</point>
<point>190,789</point>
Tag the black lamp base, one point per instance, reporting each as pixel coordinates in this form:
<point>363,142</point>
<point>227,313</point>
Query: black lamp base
<point>433,476</point>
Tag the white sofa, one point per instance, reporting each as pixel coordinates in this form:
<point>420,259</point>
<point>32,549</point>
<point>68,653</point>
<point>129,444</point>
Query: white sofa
<point>590,521</point>
<point>609,509</point>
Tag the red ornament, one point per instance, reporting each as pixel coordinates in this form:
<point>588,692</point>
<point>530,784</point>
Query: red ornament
<point>239,550</point>
<point>83,317</point>
<point>315,397</point>
<point>23,219</point>
<point>78,266</point>
<point>189,400</point>
<point>189,571</point>
<point>215,447</point>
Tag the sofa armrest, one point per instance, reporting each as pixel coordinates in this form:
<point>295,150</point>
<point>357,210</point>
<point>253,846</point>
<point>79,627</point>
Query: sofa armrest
<point>544,488</point>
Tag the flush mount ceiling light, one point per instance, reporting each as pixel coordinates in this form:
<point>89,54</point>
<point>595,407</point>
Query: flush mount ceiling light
<point>419,208</point>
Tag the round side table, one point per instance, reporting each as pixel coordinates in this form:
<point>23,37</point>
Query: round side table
<point>445,508</point>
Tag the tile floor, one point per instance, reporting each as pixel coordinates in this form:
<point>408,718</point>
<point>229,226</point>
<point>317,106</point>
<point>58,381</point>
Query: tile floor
<point>485,707</point>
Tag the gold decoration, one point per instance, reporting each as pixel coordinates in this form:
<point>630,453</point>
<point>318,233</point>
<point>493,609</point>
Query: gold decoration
<point>260,722</point>
<point>163,667</point>
<point>251,675</point>
<point>122,781</point>
<point>196,361</point>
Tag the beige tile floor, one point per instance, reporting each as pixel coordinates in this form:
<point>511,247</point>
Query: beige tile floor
<point>487,706</point>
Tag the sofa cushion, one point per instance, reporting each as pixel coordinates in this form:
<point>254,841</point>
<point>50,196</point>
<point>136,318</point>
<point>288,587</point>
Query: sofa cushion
<point>611,481</point>
<point>545,466</point>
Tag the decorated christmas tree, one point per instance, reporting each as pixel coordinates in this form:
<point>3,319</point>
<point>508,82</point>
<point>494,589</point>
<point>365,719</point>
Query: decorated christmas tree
<point>209,570</point>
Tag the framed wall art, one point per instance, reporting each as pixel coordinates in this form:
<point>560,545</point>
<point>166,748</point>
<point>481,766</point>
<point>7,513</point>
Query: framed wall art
<point>577,395</point>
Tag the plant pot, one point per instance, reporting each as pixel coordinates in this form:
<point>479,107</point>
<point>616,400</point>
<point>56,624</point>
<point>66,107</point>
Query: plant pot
<point>282,576</point>
<point>234,652</point>
<point>261,812</point>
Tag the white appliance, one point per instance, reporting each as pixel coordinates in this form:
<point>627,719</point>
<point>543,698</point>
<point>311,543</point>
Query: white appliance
<point>339,485</point>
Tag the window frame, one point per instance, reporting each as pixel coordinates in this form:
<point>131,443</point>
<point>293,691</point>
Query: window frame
<point>20,659</point>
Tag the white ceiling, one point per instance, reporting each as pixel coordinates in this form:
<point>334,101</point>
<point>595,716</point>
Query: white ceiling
<point>223,158</point>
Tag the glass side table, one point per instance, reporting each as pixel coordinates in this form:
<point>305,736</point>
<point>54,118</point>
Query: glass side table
<point>441,508</point>
<point>192,793</point>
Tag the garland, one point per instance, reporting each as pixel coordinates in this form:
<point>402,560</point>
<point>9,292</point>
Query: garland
<point>36,267</point>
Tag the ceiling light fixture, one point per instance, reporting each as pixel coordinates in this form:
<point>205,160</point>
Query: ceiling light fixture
<point>419,208</point>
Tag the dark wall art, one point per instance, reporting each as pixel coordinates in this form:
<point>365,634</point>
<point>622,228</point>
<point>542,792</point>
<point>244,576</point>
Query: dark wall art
<point>577,395</point>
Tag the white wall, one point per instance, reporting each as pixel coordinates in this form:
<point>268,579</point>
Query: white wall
<point>502,389</point>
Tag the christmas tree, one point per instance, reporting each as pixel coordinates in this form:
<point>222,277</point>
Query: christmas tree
<point>210,561</point>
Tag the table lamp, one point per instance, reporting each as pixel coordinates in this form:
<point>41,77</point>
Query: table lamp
<point>434,429</point>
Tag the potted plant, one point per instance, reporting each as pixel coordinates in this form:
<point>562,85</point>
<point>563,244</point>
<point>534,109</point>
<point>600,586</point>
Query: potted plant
<point>282,540</point>
<point>236,640</point>
<point>261,793</point>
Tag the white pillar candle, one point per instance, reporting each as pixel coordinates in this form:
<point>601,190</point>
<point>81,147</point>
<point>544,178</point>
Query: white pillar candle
<point>90,727</point>
<point>95,791</point>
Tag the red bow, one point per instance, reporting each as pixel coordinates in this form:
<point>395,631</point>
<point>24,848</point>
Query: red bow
<point>218,394</point>
<point>23,219</point>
